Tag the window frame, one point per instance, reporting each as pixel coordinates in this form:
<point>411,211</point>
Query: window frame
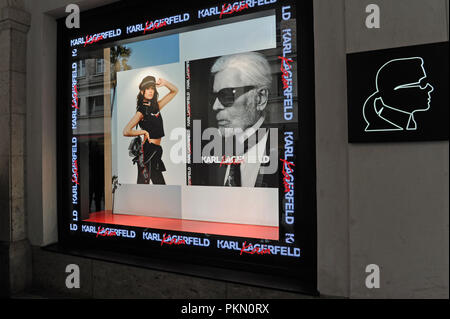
<point>164,261</point>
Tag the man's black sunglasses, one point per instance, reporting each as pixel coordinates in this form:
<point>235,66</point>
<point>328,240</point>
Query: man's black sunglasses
<point>227,96</point>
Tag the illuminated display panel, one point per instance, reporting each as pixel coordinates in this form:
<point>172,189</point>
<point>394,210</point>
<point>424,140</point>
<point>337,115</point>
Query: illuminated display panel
<point>187,134</point>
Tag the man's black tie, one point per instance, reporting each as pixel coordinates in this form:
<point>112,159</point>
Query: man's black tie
<point>234,178</point>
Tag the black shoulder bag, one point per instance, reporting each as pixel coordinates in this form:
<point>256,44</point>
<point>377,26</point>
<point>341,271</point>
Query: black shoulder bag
<point>134,149</point>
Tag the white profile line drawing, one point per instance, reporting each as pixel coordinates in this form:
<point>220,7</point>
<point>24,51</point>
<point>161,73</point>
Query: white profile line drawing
<point>402,89</point>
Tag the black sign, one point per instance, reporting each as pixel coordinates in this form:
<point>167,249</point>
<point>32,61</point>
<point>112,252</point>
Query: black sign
<point>399,94</point>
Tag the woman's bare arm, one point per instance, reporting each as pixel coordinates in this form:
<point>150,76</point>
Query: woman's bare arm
<point>128,130</point>
<point>169,96</point>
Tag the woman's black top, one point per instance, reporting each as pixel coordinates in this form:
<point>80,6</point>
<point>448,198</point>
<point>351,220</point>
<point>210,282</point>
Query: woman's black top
<point>152,121</point>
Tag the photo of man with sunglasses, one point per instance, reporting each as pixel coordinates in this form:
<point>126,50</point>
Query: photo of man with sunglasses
<point>240,91</point>
<point>239,100</point>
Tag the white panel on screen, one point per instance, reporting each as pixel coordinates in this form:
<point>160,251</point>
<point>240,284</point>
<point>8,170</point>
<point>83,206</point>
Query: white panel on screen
<point>250,35</point>
<point>238,205</point>
<point>148,200</point>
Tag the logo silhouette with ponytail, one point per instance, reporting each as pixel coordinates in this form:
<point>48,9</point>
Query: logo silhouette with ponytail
<point>402,89</point>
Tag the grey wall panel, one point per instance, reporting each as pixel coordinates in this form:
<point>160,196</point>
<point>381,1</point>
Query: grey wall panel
<point>399,219</point>
<point>331,148</point>
<point>399,192</point>
<point>402,22</point>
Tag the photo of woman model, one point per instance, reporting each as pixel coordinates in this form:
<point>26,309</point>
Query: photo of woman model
<point>148,118</point>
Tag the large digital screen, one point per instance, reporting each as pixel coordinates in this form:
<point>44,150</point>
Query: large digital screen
<point>187,133</point>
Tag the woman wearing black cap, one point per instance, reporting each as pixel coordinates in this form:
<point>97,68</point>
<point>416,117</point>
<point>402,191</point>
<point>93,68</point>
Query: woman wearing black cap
<point>148,117</point>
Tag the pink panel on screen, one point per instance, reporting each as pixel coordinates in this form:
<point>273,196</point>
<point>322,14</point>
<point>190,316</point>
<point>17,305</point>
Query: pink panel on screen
<point>183,225</point>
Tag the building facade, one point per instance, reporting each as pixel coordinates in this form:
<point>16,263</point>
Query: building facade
<point>383,204</point>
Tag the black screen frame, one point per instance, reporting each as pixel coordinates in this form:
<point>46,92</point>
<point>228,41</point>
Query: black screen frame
<point>290,276</point>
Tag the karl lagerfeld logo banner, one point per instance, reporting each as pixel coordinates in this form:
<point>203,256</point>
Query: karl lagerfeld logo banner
<point>398,95</point>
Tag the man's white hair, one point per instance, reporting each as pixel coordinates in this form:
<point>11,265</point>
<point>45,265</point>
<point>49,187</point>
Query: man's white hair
<point>252,65</point>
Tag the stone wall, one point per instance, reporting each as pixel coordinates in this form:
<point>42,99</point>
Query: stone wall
<point>15,257</point>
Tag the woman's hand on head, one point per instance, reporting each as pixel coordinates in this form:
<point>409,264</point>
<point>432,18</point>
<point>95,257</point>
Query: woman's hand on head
<point>161,82</point>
